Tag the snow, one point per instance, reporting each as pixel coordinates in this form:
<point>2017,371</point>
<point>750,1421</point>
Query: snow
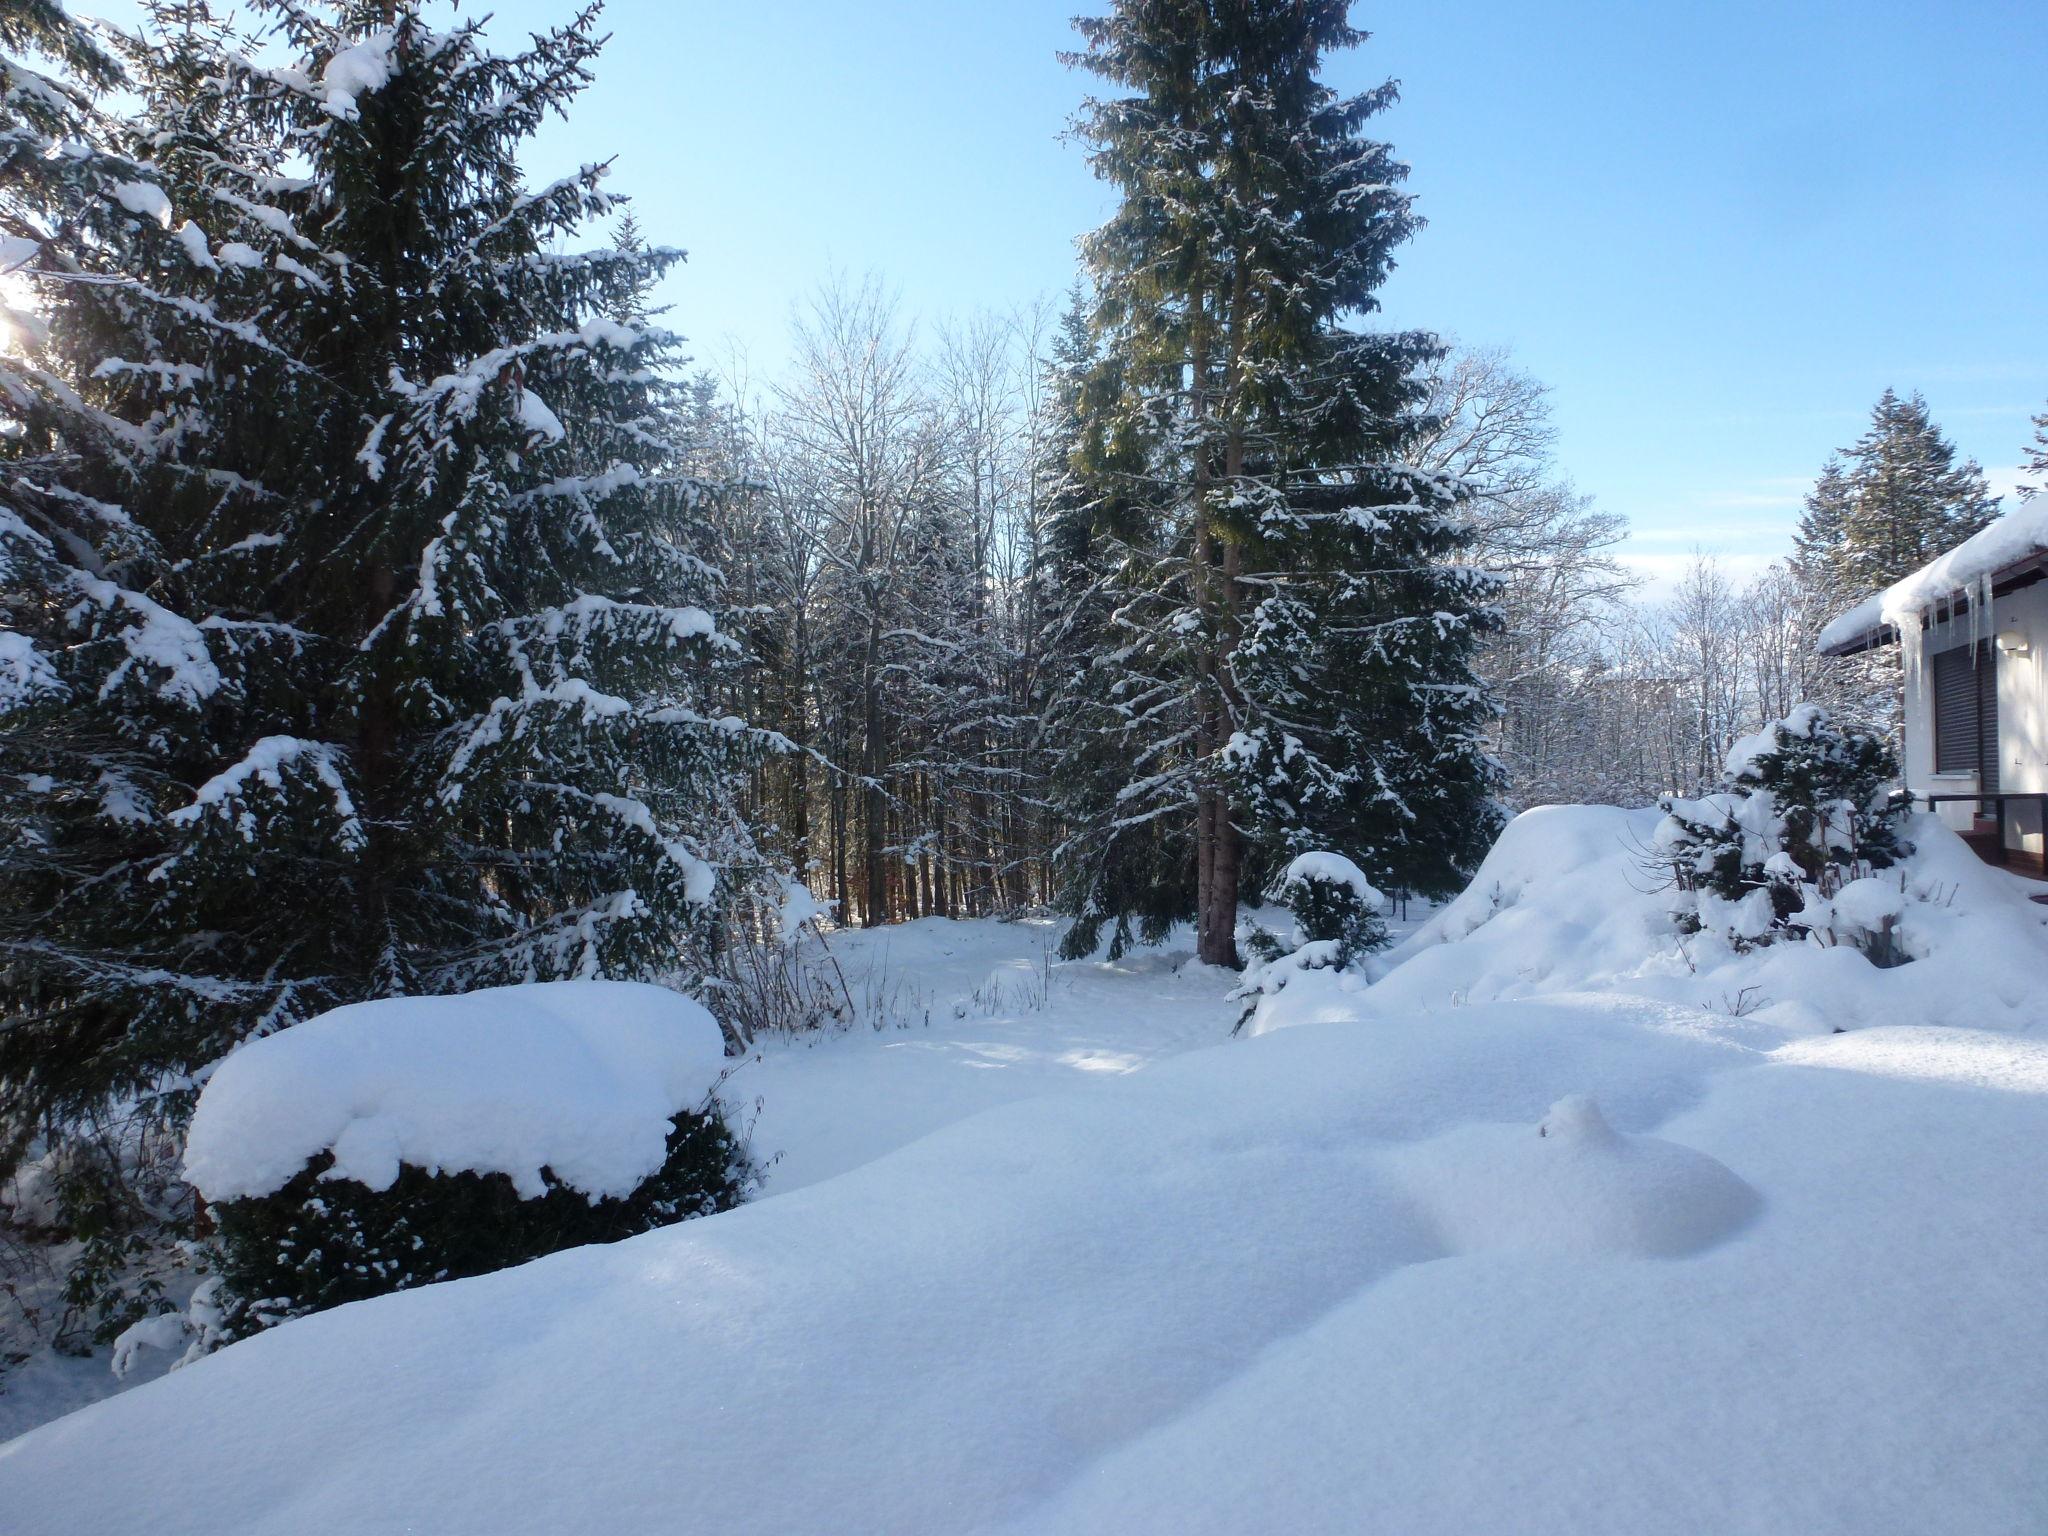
<point>2021,532</point>
<point>605,331</point>
<point>25,673</point>
<point>1331,869</point>
<point>1569,903</point>
<point>193,239</point>
<point>156,639</point>
<point>534,415</point>
<point>1869,904</point>
<point>1585,1189</point>
<point>578,1077</point>
<point>949,1019</point>
<point>16,251</point>
<point>1534,1233</point>
<point>235,253</point>
<point>144,199</point>
<point>1742,757</point>
<point>265,763</point>
<point>799,910</point>
<point>357,71</point>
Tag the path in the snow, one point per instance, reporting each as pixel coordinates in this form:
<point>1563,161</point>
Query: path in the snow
<point>958,1018</point>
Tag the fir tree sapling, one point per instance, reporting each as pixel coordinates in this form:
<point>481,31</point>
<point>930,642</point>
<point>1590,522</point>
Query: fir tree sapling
<point>1806,810</point>
<point>1338,918</point>
<point>1335,908</point>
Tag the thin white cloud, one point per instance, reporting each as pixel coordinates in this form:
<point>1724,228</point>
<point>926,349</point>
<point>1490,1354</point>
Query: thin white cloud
<point>1761,499</point>
<point>1661,573</point>
<point>2007,483</point>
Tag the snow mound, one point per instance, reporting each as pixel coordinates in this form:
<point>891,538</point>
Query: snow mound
<point>534,415</point>
<point>1569,901</point>
<point>145,200</point>
<point>1575,1185</point>
<point>581,1078</point>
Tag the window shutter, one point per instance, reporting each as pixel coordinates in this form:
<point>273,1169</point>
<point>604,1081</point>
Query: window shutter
<point>1966,713</point>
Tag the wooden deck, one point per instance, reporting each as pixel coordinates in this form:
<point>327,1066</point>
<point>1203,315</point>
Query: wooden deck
<point>1986,833</point>
<point>1990,847</point>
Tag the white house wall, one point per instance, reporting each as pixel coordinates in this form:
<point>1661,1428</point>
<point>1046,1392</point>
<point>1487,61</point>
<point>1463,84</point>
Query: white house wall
<point>2022,708</point>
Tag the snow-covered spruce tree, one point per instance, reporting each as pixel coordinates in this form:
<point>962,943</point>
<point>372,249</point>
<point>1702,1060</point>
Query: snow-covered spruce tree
<point>1337,920</point>
<point>1333,905</point>
<point>527,615</point>
<point>363,637</point>
<point>2036,466</point>
<point>1132,871</point>
<point>126,681</point>
<point>1806,809</point>
<point>1891,503</point>
<point>1295,654</point>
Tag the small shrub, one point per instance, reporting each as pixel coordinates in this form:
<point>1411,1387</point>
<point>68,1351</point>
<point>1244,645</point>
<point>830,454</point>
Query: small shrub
<point>1336,920</point>
<point>1805,809</point>
<point>1332,903</point>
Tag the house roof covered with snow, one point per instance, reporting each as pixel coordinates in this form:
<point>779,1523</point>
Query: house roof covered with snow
<point>2011,553</point>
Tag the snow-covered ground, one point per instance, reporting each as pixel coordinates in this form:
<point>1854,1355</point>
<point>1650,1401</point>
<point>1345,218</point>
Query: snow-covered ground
<point>955,1018</point>
<point>951,1019</point>
<point>1547,1231</point>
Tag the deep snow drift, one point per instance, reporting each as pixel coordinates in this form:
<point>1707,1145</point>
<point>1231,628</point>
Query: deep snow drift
<point>1473,1249</point>
<point>1568,902</point>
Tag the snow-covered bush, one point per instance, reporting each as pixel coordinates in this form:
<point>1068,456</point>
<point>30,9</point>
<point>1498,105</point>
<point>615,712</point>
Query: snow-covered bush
<point>1337,919</point>
<point>392,1144</point>
<point>1333,904</point>
<point>318,1242</point>
<point>1807,810</point>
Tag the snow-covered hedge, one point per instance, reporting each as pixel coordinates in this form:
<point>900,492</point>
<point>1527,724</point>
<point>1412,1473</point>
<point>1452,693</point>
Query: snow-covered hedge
<point>390,1144</point>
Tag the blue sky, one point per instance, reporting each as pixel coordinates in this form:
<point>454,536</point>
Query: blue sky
<point>1717,231</point>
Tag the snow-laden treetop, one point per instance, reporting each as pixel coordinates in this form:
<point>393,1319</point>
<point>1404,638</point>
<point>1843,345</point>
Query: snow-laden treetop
<point>578,1077</point>
<point>1972,563</point>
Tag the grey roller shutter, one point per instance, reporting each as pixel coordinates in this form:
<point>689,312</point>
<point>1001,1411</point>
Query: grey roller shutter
<point>1966,713</point>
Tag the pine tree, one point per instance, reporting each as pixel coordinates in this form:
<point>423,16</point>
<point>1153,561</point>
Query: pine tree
<point>361,627</point>
<point>118,483</point>
<point>1823,527</point>
<point>1111,866</point>
<point>2037,460</point>
<point>1294,657</point>
<point>1897,499</point>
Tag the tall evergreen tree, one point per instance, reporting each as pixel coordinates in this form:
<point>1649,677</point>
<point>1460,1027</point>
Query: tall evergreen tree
<point>1892,502</point>
<point>1823,527</point>
<point>1129,867</point>
<point>360,633</point>
<point>2037,460</point>
<point>1293,656</point>
<point>119,467</point>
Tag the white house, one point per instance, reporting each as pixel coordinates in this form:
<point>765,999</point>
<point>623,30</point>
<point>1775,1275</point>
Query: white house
<point>1973,626</point>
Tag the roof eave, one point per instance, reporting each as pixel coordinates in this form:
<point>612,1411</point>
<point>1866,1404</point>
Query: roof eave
<point>1869,640</point>
<point>2010,578</point>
